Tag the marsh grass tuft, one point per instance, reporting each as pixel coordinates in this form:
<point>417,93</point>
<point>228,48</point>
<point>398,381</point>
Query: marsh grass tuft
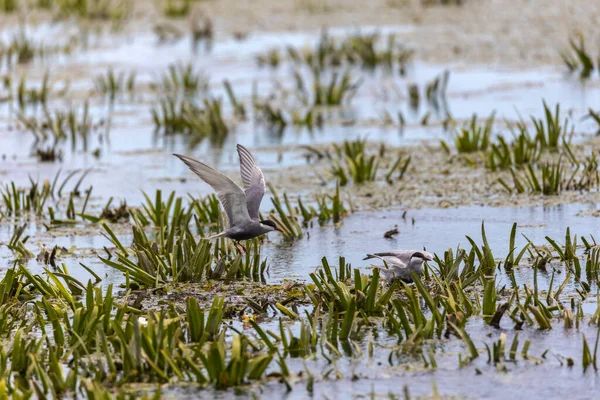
<point>172,116</point>
<point>474,137</point>
<point>548,130</point>
<point>74,125</point>
<point>351,161</point>
<point>114,84</point>
<point>577,59</point>
<point>182,80</point>
<point>335,89</point>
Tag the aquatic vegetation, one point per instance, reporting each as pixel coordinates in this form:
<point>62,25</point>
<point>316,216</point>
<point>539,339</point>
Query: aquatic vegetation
<point>182,79</point>
<point>552,180</point>
<point>18,201</point>
<point>74,125</point>
<point>577,59</point>
<point>522,150</point>
<point>333,90</point>
<point>351,161</point>
<point>177,9</point>
<point>474,137</point>
<point>49,154</point>
<point>277,120</point>
<point>114,84</point>
<point>435,91</point>
<point>170,115</point>
<point>17,243</point>
<point>271,116</point>
<point>191,316</point>
<point>323,211</point>
<point>285,218</point>
<point>271,58</point>
<point>9,6</point>
<point>239,109</point>
<point>174,116</point>
<point>555,177</point>
<point>358,166</point>
<point>209,122</point>
<point>368,51</point>
<point>202,31</point>
<point>548,130</point>
<point>596,117</point>
<point>22,50</point>
<point>190,341</point>
<point>114,11</point>
<point>25,95</point>
<point>178,259</point>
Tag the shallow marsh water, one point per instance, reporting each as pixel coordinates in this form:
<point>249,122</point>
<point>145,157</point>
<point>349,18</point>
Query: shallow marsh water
<point>134,158</point>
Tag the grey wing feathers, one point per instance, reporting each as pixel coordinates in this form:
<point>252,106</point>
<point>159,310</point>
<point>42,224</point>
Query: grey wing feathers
<point>232,197</point>
<point>389,260</point>
<point>253,179</point>
<point>402,255</point>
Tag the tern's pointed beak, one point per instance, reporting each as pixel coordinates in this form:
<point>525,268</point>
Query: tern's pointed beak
<point>278,229</point>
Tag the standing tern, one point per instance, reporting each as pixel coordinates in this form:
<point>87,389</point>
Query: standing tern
<point>241,206</point>
<point>400,263</point>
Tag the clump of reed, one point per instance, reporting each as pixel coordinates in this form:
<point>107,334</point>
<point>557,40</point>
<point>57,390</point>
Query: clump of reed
<point>552,180</point>
<point>329,90</point>
<point>33,199</point>
<point>173,253</point>
<point>595,116</point>
<point>177,8</point>
<point>9,6</point>
<point>324,207</point>
<point>271,58</point>
<point>276,119</point>
<point>325,212</point>
<point>114,84</point>
<point>114,11</point>
<point>519,152</point>
<point>74,124</point>
<point>577,59</point>
<point>474,137</point>
<point>21,49</point>
<point>351,161</point>
<point>368,51</point>
<point>26,95</point>
<point>182,79</point>
<point>49,154</point>
<point>173,116</point>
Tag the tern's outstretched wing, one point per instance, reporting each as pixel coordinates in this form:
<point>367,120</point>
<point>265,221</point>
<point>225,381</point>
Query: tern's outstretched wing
<point>391,261</point>
<point>232,196</point>
<point>402,255</point>
<point>254,181</point>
